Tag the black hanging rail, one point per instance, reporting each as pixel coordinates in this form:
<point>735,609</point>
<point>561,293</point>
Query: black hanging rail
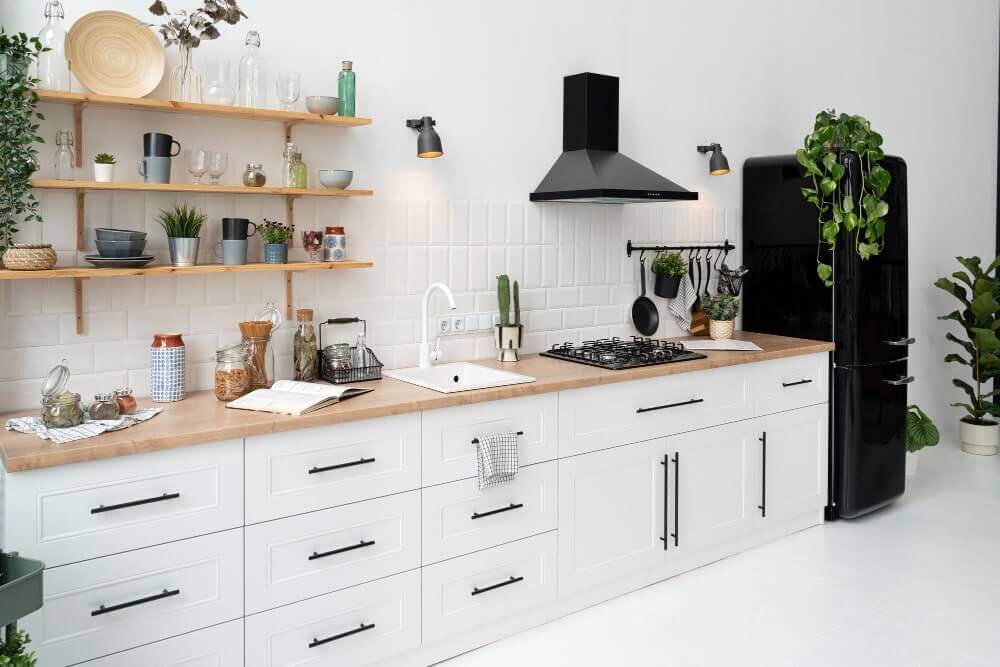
<point>725,246</point>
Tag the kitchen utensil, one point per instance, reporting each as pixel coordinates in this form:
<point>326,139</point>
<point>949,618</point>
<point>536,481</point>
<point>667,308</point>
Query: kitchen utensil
<point>289,85</point>
<point>217,162</point>
<point>699,320</point>
<point>158,144</point>
<point>322,104</point>
<point>112,55</point>
<point>335,178</point>
<point>236,229</point>
<point>119,263</point>
<point>29,257</point>
<point>111,234</point>
<point>130,248</point>
<point>197,164</point>
<point>232,252</point>
<point>155,169</point>
<point>644,314</point>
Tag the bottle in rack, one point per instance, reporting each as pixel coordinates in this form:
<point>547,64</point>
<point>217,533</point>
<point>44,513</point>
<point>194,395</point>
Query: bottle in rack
<point>251,75</point>
<point>346,89</point>
<point>53,68</point>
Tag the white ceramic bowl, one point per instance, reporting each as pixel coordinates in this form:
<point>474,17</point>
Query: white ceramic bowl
<point>335,178</point>
<point>322,104</point>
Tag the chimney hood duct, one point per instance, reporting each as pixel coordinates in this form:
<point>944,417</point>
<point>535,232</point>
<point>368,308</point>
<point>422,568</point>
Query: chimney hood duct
<point>590,169</point>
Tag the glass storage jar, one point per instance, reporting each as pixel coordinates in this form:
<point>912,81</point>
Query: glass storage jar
<point>259,360</point>
<point>231,376</point>
<point>254,176</point>
<point>60,408</point>
<point>104,407</point>
<point>125,400</point>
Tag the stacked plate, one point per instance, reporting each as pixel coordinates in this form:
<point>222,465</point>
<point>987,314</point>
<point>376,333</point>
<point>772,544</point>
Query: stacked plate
<point>120,248</point>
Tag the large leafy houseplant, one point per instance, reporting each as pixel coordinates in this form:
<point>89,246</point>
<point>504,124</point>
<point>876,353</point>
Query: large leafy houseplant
<point>861,213</point>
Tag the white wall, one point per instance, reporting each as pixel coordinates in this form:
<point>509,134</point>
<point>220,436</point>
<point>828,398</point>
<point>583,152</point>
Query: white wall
<point>749,75</point>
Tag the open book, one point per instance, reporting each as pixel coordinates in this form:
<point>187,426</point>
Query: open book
<point>288,397</point>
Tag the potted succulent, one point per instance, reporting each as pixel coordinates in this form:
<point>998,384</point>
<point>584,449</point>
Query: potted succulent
<point>977,291</point>
<point>276,237</point>
<point>508,333</point>
<point>669,268</point>
<point>722,309</point>
<point>183,227</point>
<point>104,167</point>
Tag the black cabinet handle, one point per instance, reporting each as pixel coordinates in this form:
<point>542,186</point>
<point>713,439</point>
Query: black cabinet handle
<point>125,605</point>
<point>670,405</point>
<point>338,466</point>
<point>677,503</point>
<point>344,320</point>
<point>796,383</point>
<point>763,475</point>
<point>899,381</point>
<point>900,342</point>
<point>666,499</point>
<point>512,580</point>
<point>475,441</point>
<point>512,506</point>
<point>134,503</point>
<point>332,638</point>
<point>333,552</point>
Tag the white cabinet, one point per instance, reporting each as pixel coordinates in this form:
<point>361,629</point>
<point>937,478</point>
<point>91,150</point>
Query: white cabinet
<point>795,382</point>
<point>610,514</point>
<point>791,463</point>
<point>217,646</point>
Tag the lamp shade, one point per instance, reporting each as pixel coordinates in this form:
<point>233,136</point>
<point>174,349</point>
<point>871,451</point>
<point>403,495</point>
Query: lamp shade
<point>429,143</point>
<point>718,164</point>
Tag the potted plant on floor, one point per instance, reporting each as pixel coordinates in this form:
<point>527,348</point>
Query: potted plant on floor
<point>183,227</point>
<point>669,268</point>
<point>977,291</point>
<point>722,309</point>
<point>276,237</point>
<point>508,333</point>
<point>13,650</point>
<point>104,167</point>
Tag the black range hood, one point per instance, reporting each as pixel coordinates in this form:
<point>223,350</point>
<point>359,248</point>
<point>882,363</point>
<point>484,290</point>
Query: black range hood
<point>591,170</point>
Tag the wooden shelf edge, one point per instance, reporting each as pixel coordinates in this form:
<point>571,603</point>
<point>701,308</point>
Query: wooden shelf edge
<point>79,272</point>
<point>59,184</point>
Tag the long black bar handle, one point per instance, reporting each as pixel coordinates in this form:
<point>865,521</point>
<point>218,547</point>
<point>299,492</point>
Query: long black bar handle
<point>475,441</point>
<point>796,383</point>
<point>332,638</point>
<point>134,503</point>
<point>338,466</point>
<point>639,411</point>
<point>763,475</point>
<point>333,552</point>
<point>512,506</point>
<point>677,498</point>
<point>511,580</point>
<point>125,605</point>
<point>666,499</point>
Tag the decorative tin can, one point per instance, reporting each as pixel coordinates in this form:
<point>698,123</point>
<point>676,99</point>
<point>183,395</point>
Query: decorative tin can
<point>334,244</point>
<point>166,368</point>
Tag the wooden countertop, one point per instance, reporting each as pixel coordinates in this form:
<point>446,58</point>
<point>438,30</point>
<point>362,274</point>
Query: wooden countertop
<point>201,418</point>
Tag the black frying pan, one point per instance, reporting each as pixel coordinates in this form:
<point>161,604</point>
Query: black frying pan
<point>645,317</point>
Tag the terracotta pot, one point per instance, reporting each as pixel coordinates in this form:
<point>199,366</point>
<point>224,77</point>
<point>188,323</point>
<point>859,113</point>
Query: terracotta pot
<point>721,329</point>
<point>981,439</point>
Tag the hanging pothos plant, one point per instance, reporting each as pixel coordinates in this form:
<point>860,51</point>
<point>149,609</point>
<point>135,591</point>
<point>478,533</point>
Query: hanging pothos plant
<point>861,214</point>
<point>18,133</point>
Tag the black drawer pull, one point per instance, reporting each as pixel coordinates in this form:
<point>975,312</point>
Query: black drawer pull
<point>475,441</point>
<point>666,499</point>
<point>512,506</point>
<point>332,638</point>
<point>338,466</point>
<point>333,552</point>
<point>134,503</point>
<point>670,405</point>
<point>763,475</point>
<point>125,605</point>
<point>512,580</point>
<point>677,499</point>
<point>796,383</point>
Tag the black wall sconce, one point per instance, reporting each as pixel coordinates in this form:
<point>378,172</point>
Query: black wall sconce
<point>428,141</point>
<point>717,164</point>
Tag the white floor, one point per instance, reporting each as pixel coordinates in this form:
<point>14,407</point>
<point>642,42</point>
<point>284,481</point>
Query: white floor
<point>915,584</point>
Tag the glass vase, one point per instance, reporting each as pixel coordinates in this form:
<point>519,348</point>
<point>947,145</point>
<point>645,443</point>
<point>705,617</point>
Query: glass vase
<point>185,80</point>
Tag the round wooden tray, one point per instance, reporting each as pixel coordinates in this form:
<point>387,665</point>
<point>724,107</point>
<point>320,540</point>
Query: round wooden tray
<point>112,55</point>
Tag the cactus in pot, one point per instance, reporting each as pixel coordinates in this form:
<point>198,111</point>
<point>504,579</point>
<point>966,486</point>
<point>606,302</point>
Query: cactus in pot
<point>508,332</point>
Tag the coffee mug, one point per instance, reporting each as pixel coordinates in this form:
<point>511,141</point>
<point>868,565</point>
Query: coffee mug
<point>235,229</point>
<point>231,251</point>
<point>155,169</point>
<point>157,144</point>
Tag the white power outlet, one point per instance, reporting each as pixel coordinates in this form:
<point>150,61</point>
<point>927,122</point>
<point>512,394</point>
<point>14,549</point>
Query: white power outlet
<point>443,325</point>
<point>458,324</point>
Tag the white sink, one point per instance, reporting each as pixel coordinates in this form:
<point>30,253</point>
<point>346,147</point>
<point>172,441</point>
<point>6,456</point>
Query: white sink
<point>460,376</point>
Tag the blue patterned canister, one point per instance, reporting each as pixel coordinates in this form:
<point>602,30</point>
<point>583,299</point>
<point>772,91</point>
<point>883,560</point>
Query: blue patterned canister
<point>334,244</point>
<point>166,368</point>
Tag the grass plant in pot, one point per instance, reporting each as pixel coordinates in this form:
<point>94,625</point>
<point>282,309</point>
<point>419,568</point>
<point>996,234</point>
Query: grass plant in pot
<point>509,332</point>
<point>276,237</point>
<point>722,309</point>
<point>183,227</point>
<point>669,268</point>
<point>977,291</point>
<point>104,167</point>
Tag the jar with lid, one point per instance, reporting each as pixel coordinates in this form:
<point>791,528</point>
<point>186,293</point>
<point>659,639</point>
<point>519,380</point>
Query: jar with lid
<point>65,159</point>
<point>60,408</point>
<point>304,346</point>
<point>259,361</point>
<point>231,377</point>
<point>104,407</point>
<point>125,400</point>
<point>53,67</point>
<point>254,176</point>
<point>337,358</point>
<point>334,244</point>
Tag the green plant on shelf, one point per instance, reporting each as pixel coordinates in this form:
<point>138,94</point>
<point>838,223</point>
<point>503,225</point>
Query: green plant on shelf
<point>104,158</point>
<point>721,307</point>
<point>273,231</point>
<point>182,222</point>
<point>669,264</point>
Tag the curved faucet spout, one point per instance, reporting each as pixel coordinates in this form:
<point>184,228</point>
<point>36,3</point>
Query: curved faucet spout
<point>426,355</point>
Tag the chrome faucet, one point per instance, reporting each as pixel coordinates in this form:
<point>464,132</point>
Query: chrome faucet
<point>428,356</point>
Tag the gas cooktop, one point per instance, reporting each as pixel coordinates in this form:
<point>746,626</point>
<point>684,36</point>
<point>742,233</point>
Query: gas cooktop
<point>617,353</point>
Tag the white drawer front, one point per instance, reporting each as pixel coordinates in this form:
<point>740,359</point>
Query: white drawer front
<point>75,512</point>
<point>795,382</point>
<point>604,416</point>
<point>356,626</point>
<point>448,452</point>
<point>302,556</point>
<point>473,590</point>
<point>217,646</point>
<point>301,471</point>
<point>137,592</point>
<point>458,518</point>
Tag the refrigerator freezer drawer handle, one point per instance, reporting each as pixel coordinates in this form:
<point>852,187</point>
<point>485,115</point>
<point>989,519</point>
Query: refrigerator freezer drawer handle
<point>900,381</point>
<point>901,342</point>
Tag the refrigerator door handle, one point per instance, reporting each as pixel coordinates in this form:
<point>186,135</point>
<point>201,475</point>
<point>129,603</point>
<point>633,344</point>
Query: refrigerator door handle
<point>900,342</point>
<point>899,381</point>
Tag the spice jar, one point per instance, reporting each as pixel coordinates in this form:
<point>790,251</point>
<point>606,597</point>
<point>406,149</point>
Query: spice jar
<point>60,408</point>
<point>304,347</point>
<point>126,401</point>
<point>231,376</point>
<point>104,407</point>
<point>254,176</point>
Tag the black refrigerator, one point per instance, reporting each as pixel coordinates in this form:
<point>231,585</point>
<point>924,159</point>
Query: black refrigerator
<point>864,314</point>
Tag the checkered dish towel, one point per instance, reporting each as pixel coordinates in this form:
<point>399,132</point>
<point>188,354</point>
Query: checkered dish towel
<point>496,459</point>
<point>87,429</point>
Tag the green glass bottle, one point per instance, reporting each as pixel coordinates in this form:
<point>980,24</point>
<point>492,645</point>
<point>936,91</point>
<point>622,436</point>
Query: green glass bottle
<point>345,89</point>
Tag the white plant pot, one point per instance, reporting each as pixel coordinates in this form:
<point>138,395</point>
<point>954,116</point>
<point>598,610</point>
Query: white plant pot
<point>977,439</point>
<point>104,173</point>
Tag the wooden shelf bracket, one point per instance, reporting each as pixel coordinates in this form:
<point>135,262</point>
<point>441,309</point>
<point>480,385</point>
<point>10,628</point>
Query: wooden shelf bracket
<point>78,304</point>
<point>78,132</point>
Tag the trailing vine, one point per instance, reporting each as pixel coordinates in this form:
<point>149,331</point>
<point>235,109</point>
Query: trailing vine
<point>861,214</point>
<point>18,133</point>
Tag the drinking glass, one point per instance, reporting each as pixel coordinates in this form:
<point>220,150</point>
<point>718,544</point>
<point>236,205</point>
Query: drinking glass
<point>220,88</point>
<point>217,162</point>
<point>289,88</point>
<point>198,164</point>
<point>312,242</point>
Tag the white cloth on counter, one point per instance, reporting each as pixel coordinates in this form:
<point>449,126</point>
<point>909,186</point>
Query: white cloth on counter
<point>680,305</point>
<point>496,458</point>
<point>87,429</point>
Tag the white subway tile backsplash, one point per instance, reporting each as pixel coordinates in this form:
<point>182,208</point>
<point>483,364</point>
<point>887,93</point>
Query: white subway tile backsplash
<point>594,295</point>
<point>578,317</point>
<point>458,273</point>
<point>416,270</point>
<point>498,223</point>
<point>438,265</point>
<point>567,264</point>
<point>438,223</point>
<point>416,219</point>
<point>478,268</point>
<point>609,314</point>
<point>458,222</point>
<point>515,223</point>
<point>563,296</point>
<point>497,263</point>
<point>142,324</point>
<point>533,224</point>
<point>550,223</point>
<point>96,327</point>
<point>544,320</point>
<point>479,224</point>
<point>533,299</point>
<point>532,266</point>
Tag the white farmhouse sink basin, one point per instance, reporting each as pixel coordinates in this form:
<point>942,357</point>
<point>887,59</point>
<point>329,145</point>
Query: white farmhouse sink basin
<point>460,376</point>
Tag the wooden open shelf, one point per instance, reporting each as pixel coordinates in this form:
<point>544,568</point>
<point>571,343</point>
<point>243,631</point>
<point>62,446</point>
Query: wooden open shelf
<point>160,270</point>
<point>204,188</point>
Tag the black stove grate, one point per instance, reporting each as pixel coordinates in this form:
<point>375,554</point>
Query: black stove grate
<point>617,353</point>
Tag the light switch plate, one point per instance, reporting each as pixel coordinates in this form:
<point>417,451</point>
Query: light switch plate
<point>485,321</point>
<point>471,322</point>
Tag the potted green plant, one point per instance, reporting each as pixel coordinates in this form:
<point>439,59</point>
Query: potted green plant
<point>183,227</point>
<point>669,268</point>
<point>13,650</point>
<point>509,332</point>
<point>276,237</point>
<point>722,309</point>
<point>104,167</point>
<point>977,291</point>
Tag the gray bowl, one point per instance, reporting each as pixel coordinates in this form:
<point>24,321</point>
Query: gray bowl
<point>335,178</point>
<point>109,234</point>
<point>118,249</point>
<point>322,104</point>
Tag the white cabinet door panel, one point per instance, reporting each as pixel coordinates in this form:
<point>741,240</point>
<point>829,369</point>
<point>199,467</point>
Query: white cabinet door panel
<point>796,462</point>
<point>217,646</point>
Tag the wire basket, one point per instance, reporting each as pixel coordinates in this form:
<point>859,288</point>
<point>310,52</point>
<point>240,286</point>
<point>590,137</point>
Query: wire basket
<point>359,364</point>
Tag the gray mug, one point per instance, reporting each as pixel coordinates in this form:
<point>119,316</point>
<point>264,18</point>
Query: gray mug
<point>155,169</point>
<point>233,252</point>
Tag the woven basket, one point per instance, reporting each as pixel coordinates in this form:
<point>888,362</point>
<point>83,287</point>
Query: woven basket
<point>721,329</point>
<point>29,257</point>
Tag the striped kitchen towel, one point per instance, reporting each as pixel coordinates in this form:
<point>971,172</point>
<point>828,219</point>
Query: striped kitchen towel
<point>496,458</point>
<point>87,429</point>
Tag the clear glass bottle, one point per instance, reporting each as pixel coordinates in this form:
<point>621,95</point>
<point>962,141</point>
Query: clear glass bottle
<point>185,80</point>
<point>288,165</point>
<point>53,68</point>
<point>231,376</point>
<point>304,347</point>
<point>104,407</point>
<point>346,89</point>
<point>251,75</point>
<point>65,158</point>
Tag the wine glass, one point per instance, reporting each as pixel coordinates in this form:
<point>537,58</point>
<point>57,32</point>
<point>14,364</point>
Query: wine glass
<point>289,86</point>
<point>198,164</point>
<point>217,162</point>
<point>312,242</point>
